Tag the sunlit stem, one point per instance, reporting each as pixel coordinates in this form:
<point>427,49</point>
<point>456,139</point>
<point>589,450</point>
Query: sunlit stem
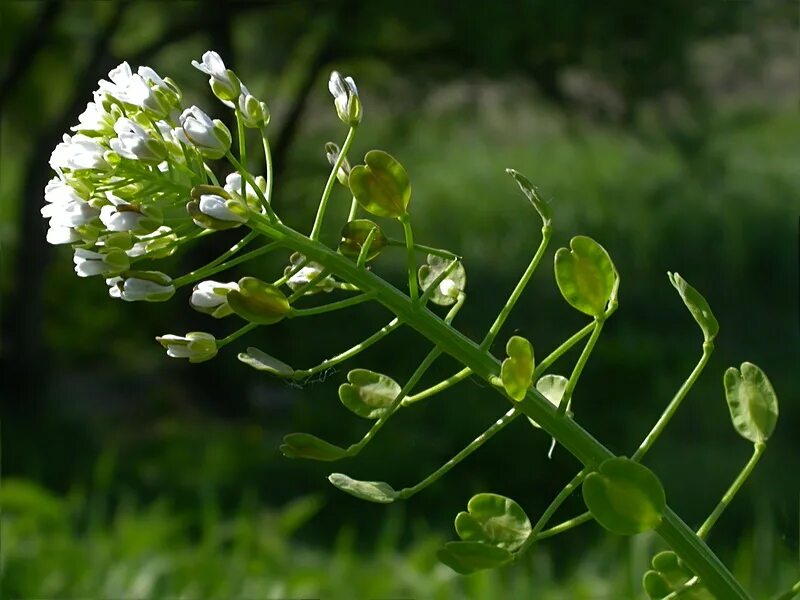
<point>517,292</point>
<point>267,163</point>
<point>412,381</point>
<point>207,270</point>
<point>353,209</point>
<point>679,593</point>
<point>242,145</point>
<point>236,335</point>
<point>550,510</point>
<point>343,356</point>
<point>362,255</point>
<point>434,285</point>
<point>581,363</point>
<point>790,593</point>
<point>565,526</point>
<point>567,345</point>
<point>456,307</point>
<point>210,174</point>
<point>411,264</point>
<point>326,308</point>
<point>233,249</point>
<point>426,249</point>
<point>758,450</point>
<point>439,387</point>
<point>466,451</point>
<point>496,427</point>
<point>249,179</point>
<point>669,412</point>
<point>300,292</point>
<point>326,193</point>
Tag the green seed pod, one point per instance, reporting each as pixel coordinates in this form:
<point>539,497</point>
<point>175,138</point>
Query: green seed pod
<point>258,302</point>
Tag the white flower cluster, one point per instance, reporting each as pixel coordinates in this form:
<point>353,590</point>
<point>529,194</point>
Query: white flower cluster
<point>133,159</point>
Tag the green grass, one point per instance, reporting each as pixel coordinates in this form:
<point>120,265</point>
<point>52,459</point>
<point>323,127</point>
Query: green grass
<point>78,547</point>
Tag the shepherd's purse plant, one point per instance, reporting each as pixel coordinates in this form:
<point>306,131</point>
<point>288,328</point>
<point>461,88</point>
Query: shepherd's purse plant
<point>134,184</point>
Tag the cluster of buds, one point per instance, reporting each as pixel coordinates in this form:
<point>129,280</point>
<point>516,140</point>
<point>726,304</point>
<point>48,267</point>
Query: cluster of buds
<point>131,183</point>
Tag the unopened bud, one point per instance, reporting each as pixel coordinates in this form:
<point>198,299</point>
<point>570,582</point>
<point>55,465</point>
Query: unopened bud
<point>197,346</point>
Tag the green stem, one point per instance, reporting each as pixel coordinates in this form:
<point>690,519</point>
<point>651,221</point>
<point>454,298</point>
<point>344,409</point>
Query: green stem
<point>790,593</point>
<point>242,145</point>
<point>678,593</point>
<point>325,308</point>
<point>439,387</point>
<point>343,356</point>
<point>518,289</point>
<point>674,404</point>
<point>569,434</point>
<point>249,179</point>
<point>236,335</point>
<point>411,265</point>
<point>466,451</point>
<point>550,511</point>
<point>326,193</point>
<point>207,270</point>
<point>565,526</point>
<point>758,450</point>
<point>364,252</point>
<point>294,270</point>
<point>412,381</point>
<point>567,345</point>
<point>578,369</point>
<point>426,249</point>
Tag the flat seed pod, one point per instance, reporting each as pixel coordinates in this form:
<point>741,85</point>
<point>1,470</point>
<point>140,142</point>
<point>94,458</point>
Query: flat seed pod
<point>697,305</point>
<point>381,186</point>
<point>551,387</point>
<point>305,445</point>
<point>368,394</point>
<point>371,491</point>
<point>586,276</point>
<point>516,371</point>
<point>264,362</point>
<point>624,496</point>
<point>447,290</point>
<point>469,557</point>
<point>354,235</point>
<point>752,402</point>
<point>495,520</point>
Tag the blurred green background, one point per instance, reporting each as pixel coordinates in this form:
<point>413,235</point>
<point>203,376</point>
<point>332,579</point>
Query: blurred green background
<point>667,130</point>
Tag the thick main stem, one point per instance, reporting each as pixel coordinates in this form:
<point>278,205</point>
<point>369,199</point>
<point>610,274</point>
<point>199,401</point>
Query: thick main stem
<point>697,555</point>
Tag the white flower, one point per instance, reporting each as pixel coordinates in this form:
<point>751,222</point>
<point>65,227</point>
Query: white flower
<point>149,286</point>
<point>345,98</point>
<point>78,152</point>
<point>120,215</point>
<point>135,142</point>
<point>66,210</point>
<point>88,263</point>
<point>160,243</point>
<point>223,81</point>
<point>305,275</point>
<point>233,185</point>
<point>197,346</point>
<point>134,88</point>
<point>219,208</point>
<point>211,297</point>
<point>94,119</point>
<point>197,129</point>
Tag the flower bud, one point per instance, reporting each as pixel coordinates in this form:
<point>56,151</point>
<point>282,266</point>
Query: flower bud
<point>345,98</point>
<point>89,263</point>
<point>197,346</point>
<point>120,215</point>
<point>224,82</point>
<point>258,301</point>
<point>255,113</point>
<point>308,272</point>
<point>332,152</point>
<point>211,297</point>
<point>149,286</point>
<point>214,208</point>
<point>233,185</point>
<point>210,137</point>
<point>135,143</point>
